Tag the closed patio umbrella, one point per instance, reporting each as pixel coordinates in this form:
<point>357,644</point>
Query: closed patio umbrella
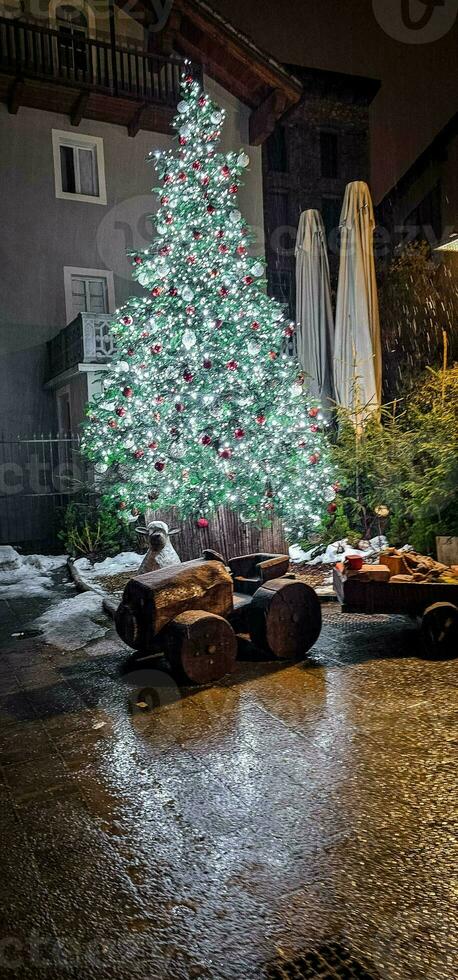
<point>313,306</point>
<point>357,347</point>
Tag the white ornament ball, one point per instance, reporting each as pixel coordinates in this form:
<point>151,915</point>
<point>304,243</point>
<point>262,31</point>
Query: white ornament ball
<point>243,160</point>
<point>185,131</point>
<point>187,294</point>
<point>182,107</point>
<point>235,217</point>
<point>216,118</point>
<point>257,269</point>
<point>189,339</point>
<point>253,347</point>
<point>329,494</point>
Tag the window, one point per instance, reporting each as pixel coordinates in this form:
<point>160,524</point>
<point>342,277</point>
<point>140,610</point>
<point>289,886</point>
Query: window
<point>88,291</point>
<point>79,170</point>
<point>330,209</point>
<point>329,154</point>
<point>72,27</point>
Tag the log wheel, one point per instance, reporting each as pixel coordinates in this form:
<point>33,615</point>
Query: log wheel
<point>200,646</point>
<point>439,627</point>
<point>285,618</point>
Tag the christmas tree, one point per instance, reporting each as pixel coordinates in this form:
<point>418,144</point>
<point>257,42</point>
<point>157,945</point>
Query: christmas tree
<point>202,406</point>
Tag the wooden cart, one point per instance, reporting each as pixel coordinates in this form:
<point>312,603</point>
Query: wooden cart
<point>192,614</point>
<point>435,604</point>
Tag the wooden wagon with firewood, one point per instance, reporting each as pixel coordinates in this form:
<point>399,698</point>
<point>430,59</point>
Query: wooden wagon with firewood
<point>195,613</point>
<point>407,585</point>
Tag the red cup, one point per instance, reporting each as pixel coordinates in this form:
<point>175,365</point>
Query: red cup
<point>355,562</point>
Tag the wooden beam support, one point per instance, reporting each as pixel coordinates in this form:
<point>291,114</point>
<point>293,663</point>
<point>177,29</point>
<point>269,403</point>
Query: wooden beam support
<point>15,95</point>
<point>263,119</point>
<point>79,108</point>
<point>161,40</point>
<point>136,122</point>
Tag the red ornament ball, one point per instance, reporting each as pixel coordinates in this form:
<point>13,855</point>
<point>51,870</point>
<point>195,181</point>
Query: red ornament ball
<point>218,324</point>
<point>127,321</point>
<point>165,199</point>
<point>210,209</point>
<point>288,331</point>
<point>206,364</point>
<point>113,424</point>
<point>144,335</point>
<point>202,522</point>
<point>152,445</point>
<point>182,140</point>
<point>336,487</point>
<point>331,508</point>
<point>165,250</point>
<point>197,234</point>
<point>255,325</point>
<point>314,428</point>
<point>139,453</point>
<point>202,101</point>
<point>156,348</point>
<point>120,411</point>
<point>232,365</point>
<point>169,219</point>
<point>188,376</point>
<point>239,433</point>
<point>138,260</point>
<point>223,291</point>
<point>241,250</point>
<point>182,176</point>
<point>196,165</point>
<point>127,392</point>
<point>156,290</point>
<point>159,465</point>
<point>273,355</point>
<point>122,505</point>
<point>313,458</point>
<point>313,412</point>
<point>179,406</point>
<point>188,79</point>
<point>167,178</point>
<point>248,280</point>
<point>225,170</point>
<point>191,259</point>
<point>190,310</point>
<point>130,352</point>
<point>173,291</point>
<point>233,189</point>
<point>206,440</point>
<point>223,249</point>
<point>261,419</point>
<point>205,183</point>
<point>225,453</point>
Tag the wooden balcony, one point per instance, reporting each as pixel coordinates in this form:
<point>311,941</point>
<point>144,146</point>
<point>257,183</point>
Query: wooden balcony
<point>86,340</point>
<point>94,79</point>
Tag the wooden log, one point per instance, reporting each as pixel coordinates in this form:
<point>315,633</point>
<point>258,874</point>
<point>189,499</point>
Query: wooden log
<point>285,618</point>
<point>151,601</point>
<point>200,647</point>
<point>439,627</point>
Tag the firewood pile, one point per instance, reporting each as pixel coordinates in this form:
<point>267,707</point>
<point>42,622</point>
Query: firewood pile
<point>408,566</point>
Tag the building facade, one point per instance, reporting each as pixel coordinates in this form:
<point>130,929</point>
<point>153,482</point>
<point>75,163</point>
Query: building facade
<point>315,149</point>
<point>86,92</point>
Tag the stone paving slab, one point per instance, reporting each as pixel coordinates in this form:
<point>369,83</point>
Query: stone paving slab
<point>287,810</point>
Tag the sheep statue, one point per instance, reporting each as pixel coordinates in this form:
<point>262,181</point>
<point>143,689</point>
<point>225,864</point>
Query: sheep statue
<point>160,550</point>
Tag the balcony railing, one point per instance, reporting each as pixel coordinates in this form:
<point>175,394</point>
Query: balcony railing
<point>28,50</point>
<point>87,339</point>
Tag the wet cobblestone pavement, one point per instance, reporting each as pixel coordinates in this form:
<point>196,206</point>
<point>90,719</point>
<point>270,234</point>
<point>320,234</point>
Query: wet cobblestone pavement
<point>292,821</point>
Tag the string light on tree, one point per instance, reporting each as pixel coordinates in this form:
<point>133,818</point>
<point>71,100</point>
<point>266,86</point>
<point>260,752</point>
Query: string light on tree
<point>201,406</point>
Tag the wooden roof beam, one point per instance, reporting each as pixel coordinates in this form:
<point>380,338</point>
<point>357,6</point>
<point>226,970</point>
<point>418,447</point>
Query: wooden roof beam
<point>263,119</point>
<point>79,108</point>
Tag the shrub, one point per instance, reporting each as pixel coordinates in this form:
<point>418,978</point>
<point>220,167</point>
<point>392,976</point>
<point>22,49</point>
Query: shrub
<point>95,532</point>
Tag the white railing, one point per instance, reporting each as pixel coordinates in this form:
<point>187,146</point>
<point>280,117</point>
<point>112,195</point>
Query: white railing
<point>98,341</point>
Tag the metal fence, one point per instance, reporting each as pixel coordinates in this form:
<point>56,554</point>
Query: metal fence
<point>39,476</point>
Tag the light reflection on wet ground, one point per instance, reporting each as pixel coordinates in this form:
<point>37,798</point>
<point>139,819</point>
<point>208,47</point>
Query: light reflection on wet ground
<point>285,808</point>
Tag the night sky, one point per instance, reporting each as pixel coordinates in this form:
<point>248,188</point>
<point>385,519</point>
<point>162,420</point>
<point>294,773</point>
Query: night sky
<point>419,80</point>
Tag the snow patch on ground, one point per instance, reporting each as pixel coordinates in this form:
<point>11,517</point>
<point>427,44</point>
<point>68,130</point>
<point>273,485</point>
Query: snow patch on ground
<point>337,551</point>
<point>74,622</point>
<point>126,561</point>
<point>27,575</point>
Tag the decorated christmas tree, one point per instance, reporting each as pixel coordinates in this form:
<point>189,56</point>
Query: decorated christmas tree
<point>202,406</point>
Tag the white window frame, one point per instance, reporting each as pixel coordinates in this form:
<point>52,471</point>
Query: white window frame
<point>61,137</point>
<point>72,270</point>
